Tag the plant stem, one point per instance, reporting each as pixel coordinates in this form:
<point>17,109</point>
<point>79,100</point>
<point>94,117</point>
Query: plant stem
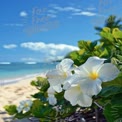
<point>97,115</point>
<point>98,105</point>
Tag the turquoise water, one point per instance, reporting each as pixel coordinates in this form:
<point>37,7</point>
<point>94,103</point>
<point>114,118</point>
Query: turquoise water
<point>12,72</point>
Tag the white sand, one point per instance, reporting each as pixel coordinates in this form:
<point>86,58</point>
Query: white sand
<point>14,93</point>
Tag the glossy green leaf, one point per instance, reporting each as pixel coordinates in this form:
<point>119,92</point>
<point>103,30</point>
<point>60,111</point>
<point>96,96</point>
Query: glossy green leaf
<point>108,91</point>
<point>11,109</point>
<point>42,110</point>
<point>112,113</point>
<point>41,83</point>
<point>107,36</point>
<point>117,33</point>
<point>40,95</point>
<point>117,100</point>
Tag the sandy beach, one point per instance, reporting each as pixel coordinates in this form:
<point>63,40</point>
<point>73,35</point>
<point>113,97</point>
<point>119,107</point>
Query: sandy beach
<point>13,94</point>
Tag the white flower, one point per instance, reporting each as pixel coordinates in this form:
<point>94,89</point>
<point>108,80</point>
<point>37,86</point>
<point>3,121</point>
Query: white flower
<point>92,73</point>
<point>58,76</point>
<point>24,106</point>
<point>75,95</point>
<point>51,97</point>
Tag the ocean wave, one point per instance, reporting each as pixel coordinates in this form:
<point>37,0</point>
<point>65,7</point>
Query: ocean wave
<point>5,62</point>
<point>14,80</point>
<point>9,81</point>
<point>30,62</point>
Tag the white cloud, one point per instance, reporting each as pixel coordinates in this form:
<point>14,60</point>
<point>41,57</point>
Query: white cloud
<point>9,46</point>
<point>51,51</point>
<point>58,8</point>
<point>67,9</point>
<point>86,13</point>
<point>72,9</point>
<point>52,58</point>
<point>23,14</point>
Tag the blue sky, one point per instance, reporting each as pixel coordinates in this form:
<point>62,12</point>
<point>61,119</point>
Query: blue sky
<point>37,30</point>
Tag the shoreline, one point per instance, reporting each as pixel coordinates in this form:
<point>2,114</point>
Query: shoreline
<point>5,82</point>
<point>15,92</point>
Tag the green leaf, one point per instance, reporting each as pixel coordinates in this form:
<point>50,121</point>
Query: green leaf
<point>106,29</point>
<point>42,110</point>
<point>110,91</point>
<point>104,53</point>
<point>107,36</point>
<point>117,100</point>
<point>99,46</point>
<point>37,109</point>
<point>117,33</point>
<point>84,44</point>
<point>41,96</point>
<point>41,83</point>
<point>21,115</point>
<point>112,113</point>
<point>11,109</point>
<point>93,44</point>
<point>119,57</point>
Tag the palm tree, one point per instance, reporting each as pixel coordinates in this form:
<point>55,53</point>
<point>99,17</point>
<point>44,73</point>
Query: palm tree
<point>111,22</point>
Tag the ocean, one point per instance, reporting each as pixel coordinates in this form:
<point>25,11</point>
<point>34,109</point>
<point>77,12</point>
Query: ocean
<point>13,72</point>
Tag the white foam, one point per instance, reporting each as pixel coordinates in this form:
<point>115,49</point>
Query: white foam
<point>5,62</point>
<point>30,62</point>
<point>14,80</point>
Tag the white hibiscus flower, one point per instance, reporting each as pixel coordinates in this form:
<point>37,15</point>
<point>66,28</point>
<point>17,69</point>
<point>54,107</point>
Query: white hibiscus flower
<point>92,73</point>
<point>24,106</point>
<point>58,76</point>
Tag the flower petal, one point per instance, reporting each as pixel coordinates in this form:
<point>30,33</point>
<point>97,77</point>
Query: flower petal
<point>52,100</point>
<point>90,87</point>
<point>108,72</point>
<point>22,103</point>
<point>92,64</point>
<point>55,77</point>
<point>58,88</point>
<point>84,100</point>
<point>29,102</point>
<point>19,109</point>
<point>72,94</point>
<point>51,90</point>
<point>75,96</point>
<point>81,71</point>
<point>65,65</point>
<point>74,79</point>
<point>26,109</point>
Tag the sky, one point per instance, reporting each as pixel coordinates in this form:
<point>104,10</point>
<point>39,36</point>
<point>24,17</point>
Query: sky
<point>46,30</point>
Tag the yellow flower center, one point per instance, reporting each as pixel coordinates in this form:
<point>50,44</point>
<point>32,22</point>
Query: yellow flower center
<point>93,75</point>
<point>64,74</point>
<point>26,105</point>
